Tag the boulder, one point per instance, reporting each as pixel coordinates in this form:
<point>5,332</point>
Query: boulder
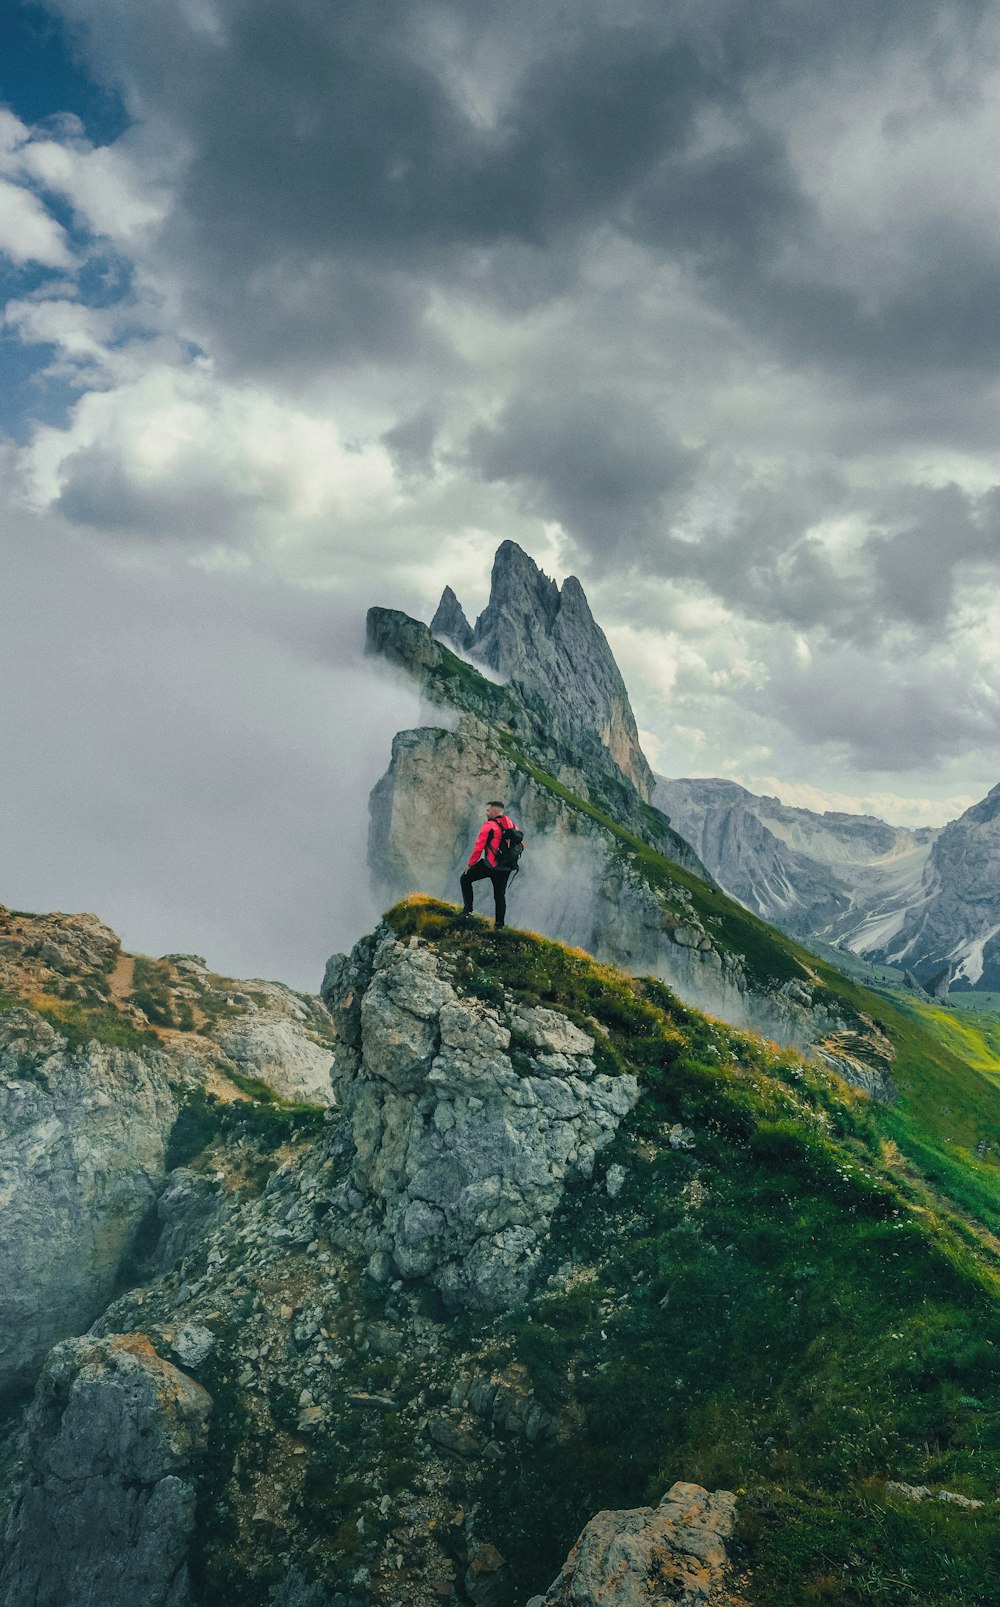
<point>672,1555</point>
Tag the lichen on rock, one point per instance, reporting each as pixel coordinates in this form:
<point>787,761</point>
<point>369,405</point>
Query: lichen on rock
<point>671,1555</point>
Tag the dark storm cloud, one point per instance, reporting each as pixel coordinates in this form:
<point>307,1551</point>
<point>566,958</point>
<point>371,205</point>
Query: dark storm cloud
<point>410,443</point>
<point>724,207</point>
<point>597,462</point>
<point>882,716</point>
<point>941,313</point>
<point>336,172</point>
<point>937,533</point>
<point>98,490</point>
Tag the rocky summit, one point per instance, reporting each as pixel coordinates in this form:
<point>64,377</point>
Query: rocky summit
<point>544,639</point>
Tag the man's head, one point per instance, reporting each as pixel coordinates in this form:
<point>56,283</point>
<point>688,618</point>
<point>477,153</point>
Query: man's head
<point>493,809</point>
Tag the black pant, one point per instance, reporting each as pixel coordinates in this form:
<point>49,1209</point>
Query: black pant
<point>477,873</point>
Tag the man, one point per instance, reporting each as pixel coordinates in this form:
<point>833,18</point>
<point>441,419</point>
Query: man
<point>483,862</point>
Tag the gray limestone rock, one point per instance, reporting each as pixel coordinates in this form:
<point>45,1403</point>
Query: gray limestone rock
<point>83,1133</point>
<point>280,1051</point>
<point>450,624</point>
<point>190,1206</point>
<point>279,1037</point>
<point>548,641</point>
<point>104,1506</point>
<point>461,1158</point>
<point>192,1345</point>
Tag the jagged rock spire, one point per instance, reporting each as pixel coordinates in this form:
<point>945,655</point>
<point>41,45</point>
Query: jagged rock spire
<point>546,638</point>
<point>449,623</point>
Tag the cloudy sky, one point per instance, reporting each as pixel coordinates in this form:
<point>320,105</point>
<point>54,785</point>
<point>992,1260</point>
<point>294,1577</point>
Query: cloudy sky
<point>307,306</point>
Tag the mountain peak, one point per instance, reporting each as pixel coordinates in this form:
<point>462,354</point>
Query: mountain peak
<point>449,621</point>
<point>545,638</point>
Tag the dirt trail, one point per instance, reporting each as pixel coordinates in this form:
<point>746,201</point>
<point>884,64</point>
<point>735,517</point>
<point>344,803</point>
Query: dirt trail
<point>122,978</point>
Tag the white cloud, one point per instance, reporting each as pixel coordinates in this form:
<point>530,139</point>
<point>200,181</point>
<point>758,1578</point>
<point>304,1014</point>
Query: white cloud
<point>28,233</point>
<point>143,456</point>
<point>108,193</point>
<point>894,807</point>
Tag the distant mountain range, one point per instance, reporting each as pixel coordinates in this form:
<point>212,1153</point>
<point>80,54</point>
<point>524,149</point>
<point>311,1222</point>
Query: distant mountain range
<point>925,899</point>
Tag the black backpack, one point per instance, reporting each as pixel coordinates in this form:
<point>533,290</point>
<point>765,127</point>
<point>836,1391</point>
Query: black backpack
<point>510,848</point>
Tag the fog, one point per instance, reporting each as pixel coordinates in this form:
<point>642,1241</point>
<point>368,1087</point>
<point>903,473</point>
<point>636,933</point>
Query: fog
<point>189,755</point>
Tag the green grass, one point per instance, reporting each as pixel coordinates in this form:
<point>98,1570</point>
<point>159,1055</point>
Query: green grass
<point>947,1066</point>
<point>772,1313</point>
<point>202,1121</point>
<point>81,1024</point>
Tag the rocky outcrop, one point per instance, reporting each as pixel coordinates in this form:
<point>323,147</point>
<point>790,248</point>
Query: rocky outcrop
<point>83,1133</point>
<point>93,1062</point>
<point>672,1555</point>
<point>280,1037</point>
<point>546,641</point>
<point>104,1504</point>
<point>848,879</point>
<point>460,1147</point>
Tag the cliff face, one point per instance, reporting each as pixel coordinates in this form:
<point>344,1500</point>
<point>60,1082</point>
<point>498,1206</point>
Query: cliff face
<point>94,1069</point>
<point>83,1135</point>
<point>105,1508</point>
<point>843,878</point>
<point>524,720</point>
<point>459,1159</point>
<point>546,642</point>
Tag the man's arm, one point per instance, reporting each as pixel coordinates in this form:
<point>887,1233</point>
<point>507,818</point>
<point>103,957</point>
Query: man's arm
<point>481,841</point>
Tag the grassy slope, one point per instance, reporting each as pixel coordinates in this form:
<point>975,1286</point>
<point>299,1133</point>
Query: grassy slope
<point>769,1312</point>
<point>947,1071</point>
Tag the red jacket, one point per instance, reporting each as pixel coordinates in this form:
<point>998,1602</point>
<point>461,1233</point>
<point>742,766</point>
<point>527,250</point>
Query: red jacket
<point>488,840</point>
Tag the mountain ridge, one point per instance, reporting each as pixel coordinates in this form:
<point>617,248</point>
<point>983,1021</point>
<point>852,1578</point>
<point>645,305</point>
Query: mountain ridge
<point>924,898</point>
